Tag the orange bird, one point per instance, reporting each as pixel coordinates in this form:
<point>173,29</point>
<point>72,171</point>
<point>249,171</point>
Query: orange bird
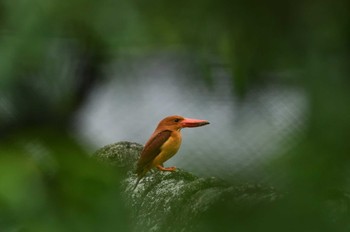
<point>163,144</point>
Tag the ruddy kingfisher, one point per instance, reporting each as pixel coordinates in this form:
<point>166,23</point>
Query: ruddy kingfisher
<point>163,144</point>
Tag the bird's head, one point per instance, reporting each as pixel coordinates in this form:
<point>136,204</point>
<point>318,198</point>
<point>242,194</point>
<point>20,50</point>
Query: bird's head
<point>176,122</point>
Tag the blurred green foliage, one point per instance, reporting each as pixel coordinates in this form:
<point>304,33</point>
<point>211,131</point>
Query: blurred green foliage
<point>48,184</point>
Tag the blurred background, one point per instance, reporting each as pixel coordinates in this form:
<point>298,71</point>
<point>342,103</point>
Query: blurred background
<point>243,137</point>
<point>271,77</point>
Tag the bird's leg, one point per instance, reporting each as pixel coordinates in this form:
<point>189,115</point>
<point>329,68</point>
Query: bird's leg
<point>169,169</point>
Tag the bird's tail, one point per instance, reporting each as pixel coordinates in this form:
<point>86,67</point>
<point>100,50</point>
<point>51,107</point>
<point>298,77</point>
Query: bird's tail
<point>141,172</point>
<point>137,182</point>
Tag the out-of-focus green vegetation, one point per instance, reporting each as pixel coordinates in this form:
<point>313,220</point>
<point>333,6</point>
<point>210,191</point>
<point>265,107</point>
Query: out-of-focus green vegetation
<point>52,52</point>
<point>47,183</point>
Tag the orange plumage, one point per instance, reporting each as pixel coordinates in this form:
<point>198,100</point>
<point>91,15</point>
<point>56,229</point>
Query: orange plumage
<point>163,144</point>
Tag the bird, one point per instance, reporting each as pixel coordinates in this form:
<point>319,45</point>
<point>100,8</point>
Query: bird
<point>164,144</point>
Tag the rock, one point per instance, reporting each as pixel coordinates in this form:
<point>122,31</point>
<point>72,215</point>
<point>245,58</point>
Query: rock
<point>122,154</point>
<point>181,201</point>
<point>175,201</point>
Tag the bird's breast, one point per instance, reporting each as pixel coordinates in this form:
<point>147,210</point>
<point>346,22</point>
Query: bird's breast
<point>169,148</point>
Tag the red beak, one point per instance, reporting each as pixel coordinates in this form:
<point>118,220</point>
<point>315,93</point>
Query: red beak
<point>190,122</point>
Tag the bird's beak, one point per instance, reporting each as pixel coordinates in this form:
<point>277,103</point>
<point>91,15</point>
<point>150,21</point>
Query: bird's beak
<point>190,122</point>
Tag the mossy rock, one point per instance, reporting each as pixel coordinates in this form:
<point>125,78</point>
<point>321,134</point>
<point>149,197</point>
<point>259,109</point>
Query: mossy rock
<point>176,201</point>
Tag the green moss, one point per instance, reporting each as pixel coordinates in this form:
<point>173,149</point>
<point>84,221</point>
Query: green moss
<point>122,155</point>
<point>173,201</point>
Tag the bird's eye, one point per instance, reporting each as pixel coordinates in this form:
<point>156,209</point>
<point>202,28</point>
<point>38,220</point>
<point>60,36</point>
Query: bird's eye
<point>177,120</point>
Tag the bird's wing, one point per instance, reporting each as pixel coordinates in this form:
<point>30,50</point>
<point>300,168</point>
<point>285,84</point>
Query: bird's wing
<point>152,149</point>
